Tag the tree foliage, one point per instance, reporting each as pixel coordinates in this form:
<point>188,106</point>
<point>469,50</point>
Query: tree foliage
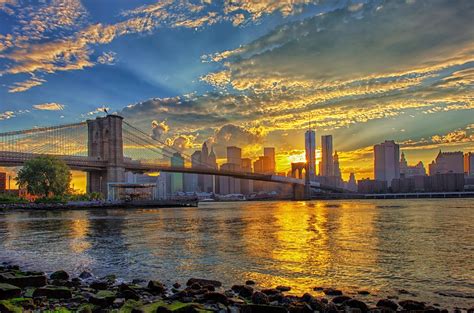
<point>45,176</point>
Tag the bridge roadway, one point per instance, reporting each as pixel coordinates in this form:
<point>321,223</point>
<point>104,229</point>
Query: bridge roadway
<point>85,163</point>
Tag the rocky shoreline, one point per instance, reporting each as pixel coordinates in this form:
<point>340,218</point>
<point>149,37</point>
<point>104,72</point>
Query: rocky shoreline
<point>26,291</point>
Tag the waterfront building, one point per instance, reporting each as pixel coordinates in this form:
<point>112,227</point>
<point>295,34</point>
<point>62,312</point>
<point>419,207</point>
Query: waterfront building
<point>327,162</point>
<point>177,178</point>
<point>269,152</point>
<point>163,185</point>
<point>3,181</point>
<point>234,155</point>
<point>371,186</point>
<point>447,162</point>
<point>212,163</point>
<point>386,161</point>
<point>310,151</point>
<point>469,163</point>
<point>411,170</point>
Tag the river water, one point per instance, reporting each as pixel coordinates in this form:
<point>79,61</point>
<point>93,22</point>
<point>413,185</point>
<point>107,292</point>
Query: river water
<point>423,246</point>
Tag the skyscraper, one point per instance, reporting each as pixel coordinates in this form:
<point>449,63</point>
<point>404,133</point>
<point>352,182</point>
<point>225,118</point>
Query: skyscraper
<point>177,178</point>
<point>234,155</point>
<point>191,180</point>
<point>206,182</point>
<point>469,163</point>
<point>327,162</point>
<point>270,153</point>
<point>386,161</point>
<point>337,169</point>
<point>310,149</point>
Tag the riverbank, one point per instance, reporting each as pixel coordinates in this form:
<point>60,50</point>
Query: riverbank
<point>81,205</point>
<point>24,291</point>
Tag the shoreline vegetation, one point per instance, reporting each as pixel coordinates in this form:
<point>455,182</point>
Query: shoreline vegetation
<point>26,291</point>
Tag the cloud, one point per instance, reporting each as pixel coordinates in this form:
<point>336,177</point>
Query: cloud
<point>6,115</point>
<point>159,129</point>
<point>27,84</point>
<point>182,142</point>
<point>107,58</point>
<point>49,106</point>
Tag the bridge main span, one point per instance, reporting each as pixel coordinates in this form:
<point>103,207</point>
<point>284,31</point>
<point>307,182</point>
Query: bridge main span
<point>103,157</point>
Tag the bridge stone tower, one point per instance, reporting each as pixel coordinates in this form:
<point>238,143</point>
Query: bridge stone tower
<point>105,143</point>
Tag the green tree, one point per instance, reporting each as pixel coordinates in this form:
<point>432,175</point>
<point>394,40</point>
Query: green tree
<point>45,176</point>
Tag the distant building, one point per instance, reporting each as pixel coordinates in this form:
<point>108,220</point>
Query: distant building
<point>410,171</point>
<point>371,186</point>
<point>177,178</point>
<point>386,161</point>
<point>352,184</point>
<point>163,185</point>
<point>207,160</point>
<point>191,183</point>
<point>327,162</point>
<point>310,149</point>
<point>469,163</point>
<point>269,152</point>
<point>246,185</point>
<point>337,169</point>
<point>234,155</point>
<point>262,165</point>
<point>229,185</point>
<point>447,162</point>
<point>3,181</point>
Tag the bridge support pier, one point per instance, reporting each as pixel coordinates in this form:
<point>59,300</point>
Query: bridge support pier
<point>300,192</point>
<point>105,142</point>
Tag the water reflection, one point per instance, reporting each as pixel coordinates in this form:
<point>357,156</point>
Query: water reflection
<point>382,246</point>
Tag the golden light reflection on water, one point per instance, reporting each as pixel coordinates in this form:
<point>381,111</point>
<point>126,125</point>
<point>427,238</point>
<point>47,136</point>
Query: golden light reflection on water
<point>302,246</point>
<point>79,242</point>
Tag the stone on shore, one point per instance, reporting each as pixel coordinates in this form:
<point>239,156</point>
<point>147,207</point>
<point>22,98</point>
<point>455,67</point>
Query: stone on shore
<point>260,298</point>
<point>217,297</point>
<point>332,292</point>
<point>204,282</point>
<point>387,303</point>
<point>8,291</point>
<point>103,298</point>
<point>53,292</point>
<point>99,285</point>
<point>356,304</point>
<point>59,275</point>
<point>243,290</point>
<point>340,299</point>
<point>85,275</point>
<point>156,287</point>
<point>23,280</point>
<point>283,288</point>
<point>412,305</point>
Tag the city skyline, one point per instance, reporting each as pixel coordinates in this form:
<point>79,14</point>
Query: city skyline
<point>61,64</point>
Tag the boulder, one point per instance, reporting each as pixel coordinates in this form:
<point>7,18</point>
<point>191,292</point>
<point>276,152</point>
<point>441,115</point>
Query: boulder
<point>129,294</point>
<point>340,299</point>
<point>53,292</point>
<point>99,285</point>
<point>388,304</point>
<point>156,287</point>
<point>8,291</point>
<point>332,292</point>
<point>23,280</point>
<point>250,282</point>
<point>283,288</point>
<point>271,291</point>
<point>412,305</point>
<point>85,275</point>
<point>260,298</point>
<point>243,290</point>
<point>356,304</point>
<point>59,275</point>
<point>204,282</point>
<point>103,298</point>
<point>300,307</point>
<point>216,297</point>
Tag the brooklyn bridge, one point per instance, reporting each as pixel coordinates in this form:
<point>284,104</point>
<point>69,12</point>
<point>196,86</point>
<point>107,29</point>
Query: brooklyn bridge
<point>108,147</point>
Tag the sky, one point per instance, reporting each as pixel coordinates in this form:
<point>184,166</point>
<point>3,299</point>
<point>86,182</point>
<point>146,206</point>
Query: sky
<point>248,73</point>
